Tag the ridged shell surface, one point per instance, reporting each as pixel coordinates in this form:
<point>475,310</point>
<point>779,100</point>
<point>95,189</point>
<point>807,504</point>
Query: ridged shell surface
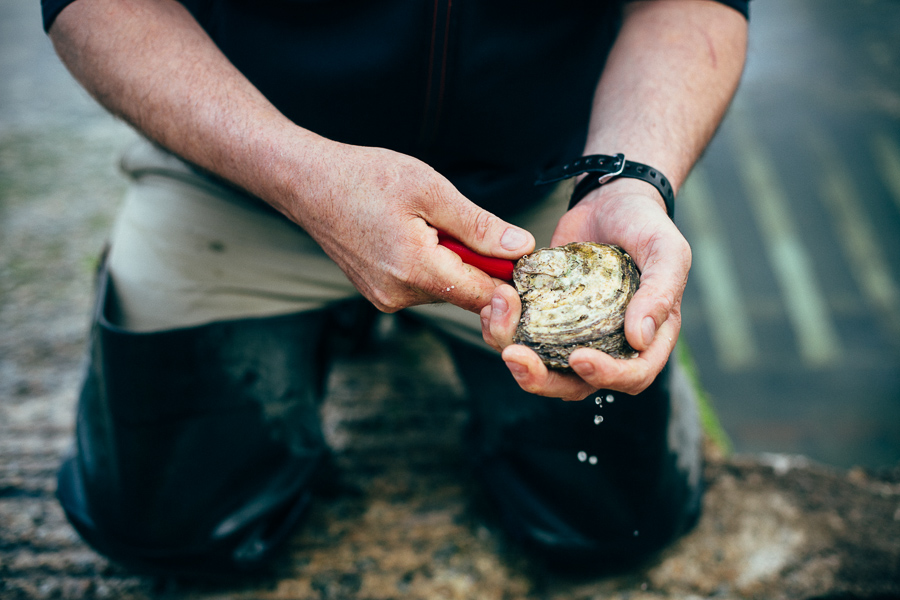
<point>575,296</point>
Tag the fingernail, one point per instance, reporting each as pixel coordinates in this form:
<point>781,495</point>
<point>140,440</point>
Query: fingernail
<point>648,330</point>
<point>518,371</point>
<point>513,239</point>
<point>499,306</point>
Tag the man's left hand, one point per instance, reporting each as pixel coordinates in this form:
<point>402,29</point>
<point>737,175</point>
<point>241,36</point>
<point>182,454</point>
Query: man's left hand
<point>630,214</point>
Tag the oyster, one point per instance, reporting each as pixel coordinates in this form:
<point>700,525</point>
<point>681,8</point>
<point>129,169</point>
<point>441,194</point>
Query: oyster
<point>575,296</point>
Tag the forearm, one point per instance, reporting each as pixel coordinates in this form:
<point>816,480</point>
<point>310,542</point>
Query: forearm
<point>668,81</point>
<point>151,63</point>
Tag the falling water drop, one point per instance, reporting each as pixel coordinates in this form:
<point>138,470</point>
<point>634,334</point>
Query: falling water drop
<point>582,456</point>
<point>609,398</point>
<point>598,419</point>
<point>635,533</point>
<point>593,460</point>
<point>598,400</point>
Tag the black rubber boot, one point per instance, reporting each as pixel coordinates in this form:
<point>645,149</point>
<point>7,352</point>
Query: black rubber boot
<point>196,447</point>
<point>592,486</point>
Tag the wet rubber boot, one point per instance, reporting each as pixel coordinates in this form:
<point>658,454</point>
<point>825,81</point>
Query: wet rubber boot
<point>593,486</point>
<point>196,447</point>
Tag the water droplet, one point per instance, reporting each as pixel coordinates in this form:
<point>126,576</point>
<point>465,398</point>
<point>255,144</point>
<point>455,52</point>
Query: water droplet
<point>582,456</point>
<point>593,460</point>
<point>635,533</point>
<point>598,419</point>
<point>598,400</point>
<point>609,398</point>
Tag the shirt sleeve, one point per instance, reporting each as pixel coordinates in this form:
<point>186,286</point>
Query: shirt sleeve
<point>50,10</point>
<point>742,6</point>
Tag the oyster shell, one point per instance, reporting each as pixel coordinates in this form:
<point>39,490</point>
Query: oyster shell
<point>575,296</point>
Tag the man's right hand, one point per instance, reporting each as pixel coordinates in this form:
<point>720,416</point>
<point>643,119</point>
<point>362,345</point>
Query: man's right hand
<point>378,221</point>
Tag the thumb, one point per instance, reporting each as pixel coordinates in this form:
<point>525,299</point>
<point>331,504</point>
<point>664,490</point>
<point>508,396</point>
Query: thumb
<point>657,300</point>
<point>481,231</point>
<point>646,313</point>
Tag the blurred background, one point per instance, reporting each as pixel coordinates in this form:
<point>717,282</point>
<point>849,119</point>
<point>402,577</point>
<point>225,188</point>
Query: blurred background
<point>793,305</point>
<point>792,311</point>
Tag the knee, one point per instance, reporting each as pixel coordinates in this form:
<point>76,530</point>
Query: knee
<point>578,515</point>
<point>185,534</point>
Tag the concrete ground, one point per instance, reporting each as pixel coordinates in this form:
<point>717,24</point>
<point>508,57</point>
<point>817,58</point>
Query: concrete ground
<point>774,526</point>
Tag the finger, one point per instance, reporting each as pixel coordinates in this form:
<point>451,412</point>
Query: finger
<point>506,308</point>
<point>478,229</point>
<point>659,296</point>
<point>447,278</point>
<point>470,287</point>
<point>663,257</point>
<point>631,376</point>
<point>433,273</point>
<point>534,377</point>
<point>486,329</point>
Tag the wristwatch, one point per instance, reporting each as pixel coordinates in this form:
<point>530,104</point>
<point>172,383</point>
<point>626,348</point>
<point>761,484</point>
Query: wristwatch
<point>603,168</point>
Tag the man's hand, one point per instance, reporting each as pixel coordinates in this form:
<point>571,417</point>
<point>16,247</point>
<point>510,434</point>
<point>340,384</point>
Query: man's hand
<point>627,213</point>
<point>379,225</point>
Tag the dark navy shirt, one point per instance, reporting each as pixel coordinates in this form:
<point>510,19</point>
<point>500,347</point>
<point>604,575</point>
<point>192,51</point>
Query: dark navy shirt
<point>488,92</point>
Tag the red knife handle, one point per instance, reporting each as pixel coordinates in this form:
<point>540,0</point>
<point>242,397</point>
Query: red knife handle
<point>500,268</point>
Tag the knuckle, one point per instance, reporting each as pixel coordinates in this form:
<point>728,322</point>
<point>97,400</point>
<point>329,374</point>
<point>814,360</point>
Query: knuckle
<point>531,386</point>
<point>497,332</point>
<point>641,384</point>
<point>492,343</point>
<point>386,303</point>
<point>635,389</point>
<point>687,252</point>
<point>528,385</point>
<point>577,395</point>
<point>482,225</point>
<point>675,317</point>
<point>668,301</point>
<point>435,192</point>
<point>393,299</point>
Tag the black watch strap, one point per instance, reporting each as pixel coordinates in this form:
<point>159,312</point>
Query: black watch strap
<point>603,168</point>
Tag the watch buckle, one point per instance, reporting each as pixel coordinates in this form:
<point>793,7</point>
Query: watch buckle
<point>619,165</point>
